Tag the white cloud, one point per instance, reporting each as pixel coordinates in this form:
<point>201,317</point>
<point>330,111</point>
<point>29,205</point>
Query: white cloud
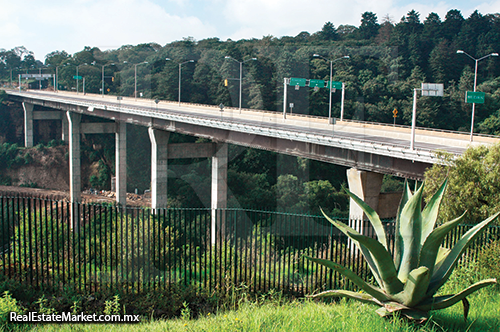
<point>71,25</point>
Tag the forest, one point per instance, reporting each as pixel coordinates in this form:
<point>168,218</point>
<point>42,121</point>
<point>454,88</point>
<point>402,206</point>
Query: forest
<point>387,61</point>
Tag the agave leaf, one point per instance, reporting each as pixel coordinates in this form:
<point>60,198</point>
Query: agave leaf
<point>466,305</point>
<point>416,315</point>
<point>445,301</point>
<point>394,306</point>
<point>398,241</point>
<point>362,297</point>
<point>410,228</point>
<point>415,287</point>
<point>430,212</point>
<point>383,312</point>
<point>441,275</point>
<point>430,249</point>
<point>442,254</point>
<point>373,217</point>
<point>383,259</point>
<point>366,253</point>
<point>375,292</point>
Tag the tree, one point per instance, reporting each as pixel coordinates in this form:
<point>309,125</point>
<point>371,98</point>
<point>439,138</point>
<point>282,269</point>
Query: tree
<point>473,183</point>
<point>452,24</point>
<point>369,26</point>
<point>328,32</point>
<point>56,58</point>
<point>432,28</point>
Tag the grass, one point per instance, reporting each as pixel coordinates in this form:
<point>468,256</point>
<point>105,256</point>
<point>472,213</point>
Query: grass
<point>306,315</point>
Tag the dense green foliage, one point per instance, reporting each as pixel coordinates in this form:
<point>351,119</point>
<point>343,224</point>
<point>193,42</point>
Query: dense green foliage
<point>387,61</point>
<point>474,183</point>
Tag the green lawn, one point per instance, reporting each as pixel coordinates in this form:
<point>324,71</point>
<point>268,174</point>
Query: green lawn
<point>306,315</point>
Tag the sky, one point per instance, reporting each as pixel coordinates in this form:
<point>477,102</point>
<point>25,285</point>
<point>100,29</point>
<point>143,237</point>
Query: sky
<point>70,25</point>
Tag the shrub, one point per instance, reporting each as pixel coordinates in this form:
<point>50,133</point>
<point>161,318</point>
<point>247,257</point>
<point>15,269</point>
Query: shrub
<point>489,260</point>
<point>7,305</point>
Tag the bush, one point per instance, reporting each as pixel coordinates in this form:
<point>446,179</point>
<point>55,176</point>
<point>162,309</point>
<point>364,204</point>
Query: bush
<point>489,260</point>
<point>7,305</point>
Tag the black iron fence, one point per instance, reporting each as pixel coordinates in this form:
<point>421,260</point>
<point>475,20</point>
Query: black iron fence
<point>139,249</point>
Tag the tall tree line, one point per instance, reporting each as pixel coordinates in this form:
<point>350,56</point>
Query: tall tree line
<point>387,60</point>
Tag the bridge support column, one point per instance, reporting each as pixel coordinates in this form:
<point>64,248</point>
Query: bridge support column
<point>121,162</point>
<point>366,185</point>
<point>28,124</point>
<point>159,163</point>
<point>75,174</point>
<point>219,190</point>
<point>64,129</point>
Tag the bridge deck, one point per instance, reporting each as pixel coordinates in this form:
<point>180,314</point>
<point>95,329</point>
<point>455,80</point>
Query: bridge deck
<point>379,139</point>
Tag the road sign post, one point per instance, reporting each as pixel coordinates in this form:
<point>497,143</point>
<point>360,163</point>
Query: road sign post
<point>428,89</point>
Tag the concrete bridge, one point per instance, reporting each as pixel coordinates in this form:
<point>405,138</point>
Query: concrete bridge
<point>370,150</point>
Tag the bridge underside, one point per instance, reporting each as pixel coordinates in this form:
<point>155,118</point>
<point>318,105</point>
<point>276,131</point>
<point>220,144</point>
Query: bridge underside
<point>364,177</point>
<point>361,160</point>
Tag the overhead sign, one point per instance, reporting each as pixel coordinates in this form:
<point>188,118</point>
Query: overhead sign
<point>472,97</point>
<point>335,85</point>
<point>37,76</point>
<point>313,83</point>
<point>298,81</point>
<point>316,83</point>
<point>432,89</point>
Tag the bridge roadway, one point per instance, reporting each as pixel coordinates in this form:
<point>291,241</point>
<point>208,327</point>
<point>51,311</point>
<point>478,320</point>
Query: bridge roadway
<point>372,147</point>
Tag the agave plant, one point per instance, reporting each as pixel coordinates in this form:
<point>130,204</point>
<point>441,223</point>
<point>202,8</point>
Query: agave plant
<point>409,281</point>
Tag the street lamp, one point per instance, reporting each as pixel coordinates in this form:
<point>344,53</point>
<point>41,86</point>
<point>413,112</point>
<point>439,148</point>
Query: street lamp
<point>475,82</point>
<point>331,73</point>
<point>102,87</point>
<point>83,64</point>
<point>135,76</point>
<point>180,73</point>
<point>11,69</point>
<point>241,72</point>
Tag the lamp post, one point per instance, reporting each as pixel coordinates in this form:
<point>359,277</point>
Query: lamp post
<point>83,64</point>
<point>331,73</point>
<point>180,75</point>
<point>102,87</point>
<point>475,83</point>
<point>135,78</point>
<point>11,69</point>
<point>241,72</point>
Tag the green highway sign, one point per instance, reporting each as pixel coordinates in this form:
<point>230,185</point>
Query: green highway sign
<point>77,77</point>
<point>335,85</point>
<point>474,97</point>
<point>316,83</point>
<point>298,81</point>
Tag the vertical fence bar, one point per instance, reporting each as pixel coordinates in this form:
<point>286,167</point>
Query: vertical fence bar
<point>5,238</point>
<point>13,227</point>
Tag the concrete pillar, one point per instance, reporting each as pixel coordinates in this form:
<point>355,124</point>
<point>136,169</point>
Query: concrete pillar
<point>219,189</point>
<point>75,175</point>
<point>121,163</point>
<point>28,124</point>
<point>159,163</point>
<point>64,129</point>
<point>366,185</point>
